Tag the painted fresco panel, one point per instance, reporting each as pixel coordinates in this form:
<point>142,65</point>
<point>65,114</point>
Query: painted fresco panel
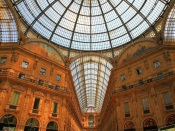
<point>45,51</point>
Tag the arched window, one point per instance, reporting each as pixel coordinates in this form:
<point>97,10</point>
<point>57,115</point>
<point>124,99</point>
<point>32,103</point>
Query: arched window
<point>52,126</point>
<point>32,124</point>
<point>150,124</point>
<point>91,120</point>
<point>8,29</point>
<point>169,33</point>
<point>170,120</point>
<point>129,126</point>
<point>8,122</point>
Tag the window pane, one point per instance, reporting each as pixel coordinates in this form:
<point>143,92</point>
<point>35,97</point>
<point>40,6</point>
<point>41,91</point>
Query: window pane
<point>3,60</point>
<point>167,99</point>
<point>55,107</point>
<point>42,71</point>
<point>156,64</point>
<point>145,104</point>
<point>126,107</point>
<point>24,64</point>
<point>15,98</point>
<point>36,103</point>
<point>58,77</point>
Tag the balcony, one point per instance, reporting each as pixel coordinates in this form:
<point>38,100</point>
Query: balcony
<point>29,79</point>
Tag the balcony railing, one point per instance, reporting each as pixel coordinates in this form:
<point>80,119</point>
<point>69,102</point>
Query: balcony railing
<point>146,81</point>
<point>31,79</point>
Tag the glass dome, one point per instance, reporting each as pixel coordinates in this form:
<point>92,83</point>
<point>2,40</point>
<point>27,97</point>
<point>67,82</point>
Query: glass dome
<point>90,25</point>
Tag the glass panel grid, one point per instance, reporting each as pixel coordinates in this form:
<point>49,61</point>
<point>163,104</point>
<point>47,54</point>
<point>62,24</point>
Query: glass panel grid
<point>8,28</point>
<point>169,32</point>
<point>90,75</point>
<point>89,31</point>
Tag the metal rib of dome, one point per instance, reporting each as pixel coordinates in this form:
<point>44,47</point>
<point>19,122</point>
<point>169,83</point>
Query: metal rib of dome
<point>91,76</point>
<point>90,25</point>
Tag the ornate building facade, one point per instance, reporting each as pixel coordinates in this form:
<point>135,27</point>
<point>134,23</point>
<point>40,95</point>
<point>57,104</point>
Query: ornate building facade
<point>47,87</point>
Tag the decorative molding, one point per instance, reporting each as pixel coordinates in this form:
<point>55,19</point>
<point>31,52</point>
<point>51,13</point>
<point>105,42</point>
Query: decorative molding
<point>34,115</point>
<point>53,118</point>
<point>18,87</point>
<point>14,57</point>
<point>56,98</point>
<point>38,93</point>
<point>11,111</point>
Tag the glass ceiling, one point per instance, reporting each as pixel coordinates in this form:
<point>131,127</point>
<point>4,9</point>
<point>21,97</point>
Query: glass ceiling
<point>8,28</point>
<point>90,25</point>
<point>90,76</point>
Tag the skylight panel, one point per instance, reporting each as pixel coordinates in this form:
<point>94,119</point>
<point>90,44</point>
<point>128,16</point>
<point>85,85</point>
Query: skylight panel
<point>82,29</point>
<point>50,1</point>
<point>42,3</point>
<point>70,16</point>
<point>119,41</point>
<point>100,37</point>
<point>81,37</point>
<point>98,28</point>
<point>63,32</point>
<point>113,25</point>
<point>128,14</point>
<point>156,12</point>
<point>122,7</point>
<point>80,45</point>
<point>83,20</point>
<point>69,25</point>
<point>85,11</point>
<point>25,13</point>
<point>59,6</point>
<point>33,7</point>
<point>52,15</point>
<point>115,2</point>
<point>110,16</point>
<point>58,39</point>
<point>138,4</point>
<point>134,22</point>
<point>65,2</point>
<point>101,45</point>
<point>148,7</point>
<point>97,20</point>
<point>96,11</point>
<point>106,7</point>
<point>42,30</point>
<point>74,7</point>
<point>47,22</point>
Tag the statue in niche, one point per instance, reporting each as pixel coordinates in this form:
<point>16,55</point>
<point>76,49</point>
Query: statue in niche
<point>14,57</point>
<point>35,64</point>
<point>129,71</point>
<point>167,56</point>
<point>146,64</point>
<point>51,70</point>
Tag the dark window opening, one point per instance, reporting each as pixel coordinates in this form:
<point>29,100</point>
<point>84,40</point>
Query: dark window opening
<point>160,76</point>
<point>54,110</point>
<point>58,77</point>
<point>42,71</point>
<point>36,105</point>
<point>141,82</point>
<point>139,71</point>
<point>3,60</point>
<point>40,82</point>
<point>57,88</point>
<point>123,77</point>
<point>146,111</point>
<point>21,76</point>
